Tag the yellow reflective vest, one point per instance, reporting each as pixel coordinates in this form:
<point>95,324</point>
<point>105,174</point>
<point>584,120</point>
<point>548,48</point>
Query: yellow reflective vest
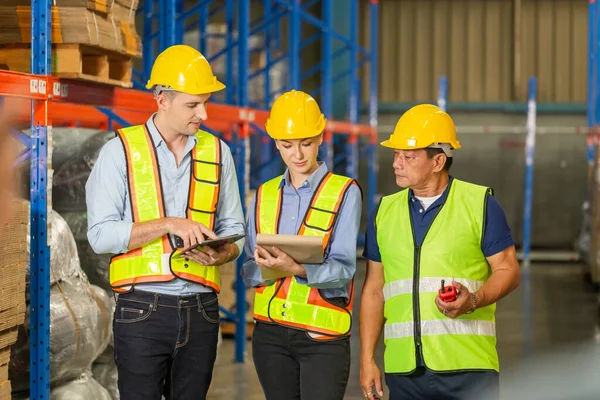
<point>287,302</point>
<point>158,261</point>
<point>450,250</point>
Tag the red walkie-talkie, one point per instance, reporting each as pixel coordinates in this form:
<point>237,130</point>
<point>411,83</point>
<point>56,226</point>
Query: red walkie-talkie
<point>447,293</point>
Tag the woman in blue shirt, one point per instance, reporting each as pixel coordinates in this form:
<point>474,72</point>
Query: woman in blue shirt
<point>301,346</point>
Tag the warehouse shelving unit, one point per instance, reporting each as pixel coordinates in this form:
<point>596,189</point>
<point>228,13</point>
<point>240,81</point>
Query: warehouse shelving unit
<point>42,101</point>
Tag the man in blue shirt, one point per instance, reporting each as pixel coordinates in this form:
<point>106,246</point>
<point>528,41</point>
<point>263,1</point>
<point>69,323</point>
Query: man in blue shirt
<point>438,228</point>
<point>166,327</point>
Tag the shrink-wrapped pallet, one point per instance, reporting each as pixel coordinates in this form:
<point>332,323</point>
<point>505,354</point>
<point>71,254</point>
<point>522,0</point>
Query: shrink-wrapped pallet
<point>95,266</point>
<point>105,372</point>
<point>83,388</point>
<point>64,262</point>
<point>80,330</point>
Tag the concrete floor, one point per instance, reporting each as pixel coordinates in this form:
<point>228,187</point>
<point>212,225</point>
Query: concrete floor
<point>563,313</point>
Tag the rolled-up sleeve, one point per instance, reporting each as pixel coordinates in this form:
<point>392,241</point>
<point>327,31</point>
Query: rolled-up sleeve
<point>340,265</point>
<point>106,194</point>
<point>230,216</point>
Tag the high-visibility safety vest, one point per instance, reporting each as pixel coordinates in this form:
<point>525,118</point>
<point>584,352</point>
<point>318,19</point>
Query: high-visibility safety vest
<point>450,250</point>
<point>158,261</point>
<point>287,302</point>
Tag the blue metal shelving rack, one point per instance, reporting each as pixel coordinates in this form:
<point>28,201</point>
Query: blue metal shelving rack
<point>164,25</point>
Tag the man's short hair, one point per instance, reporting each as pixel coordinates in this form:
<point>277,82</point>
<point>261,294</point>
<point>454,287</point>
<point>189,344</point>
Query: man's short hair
<point>167,91</point>
<point>432,152</point>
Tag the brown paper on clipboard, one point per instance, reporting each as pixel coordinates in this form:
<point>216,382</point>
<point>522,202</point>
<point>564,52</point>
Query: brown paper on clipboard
<point>303,249</point>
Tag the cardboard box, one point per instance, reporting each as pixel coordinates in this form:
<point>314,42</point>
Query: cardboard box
<point>99,6</point>
<point>73,25</point>
<point>13,242</point>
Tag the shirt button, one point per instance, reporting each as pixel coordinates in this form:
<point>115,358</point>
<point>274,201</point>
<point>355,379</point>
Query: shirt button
<point>421,210</point>
<point>293,217</point>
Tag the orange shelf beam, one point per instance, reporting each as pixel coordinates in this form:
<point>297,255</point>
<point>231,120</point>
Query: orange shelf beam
<point>73,104</point>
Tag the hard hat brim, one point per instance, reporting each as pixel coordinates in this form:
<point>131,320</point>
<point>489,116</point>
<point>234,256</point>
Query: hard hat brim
<point>292,137</point>
<point>389,145</point>
<point>218,86</point>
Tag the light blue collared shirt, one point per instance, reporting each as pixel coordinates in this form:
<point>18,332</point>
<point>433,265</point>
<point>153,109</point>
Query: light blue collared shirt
<point>336,273</point>
<point>109,210</point>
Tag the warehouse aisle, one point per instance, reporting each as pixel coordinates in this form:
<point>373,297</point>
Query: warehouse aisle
<point>564,314</point>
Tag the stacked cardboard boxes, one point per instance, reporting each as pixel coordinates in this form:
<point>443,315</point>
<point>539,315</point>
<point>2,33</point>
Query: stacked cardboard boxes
<point>13,242</point>
<point>94,38</point>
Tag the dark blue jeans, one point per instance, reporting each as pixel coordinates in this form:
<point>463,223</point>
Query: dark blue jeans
<point>424,384</point>
<point>165,345</point>
<point>293,366</point>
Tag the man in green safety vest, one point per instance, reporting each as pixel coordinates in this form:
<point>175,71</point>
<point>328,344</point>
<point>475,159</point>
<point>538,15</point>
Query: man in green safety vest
<point>441,254</point>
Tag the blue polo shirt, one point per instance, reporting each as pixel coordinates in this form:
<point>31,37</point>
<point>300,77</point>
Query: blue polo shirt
<point>497,235</point>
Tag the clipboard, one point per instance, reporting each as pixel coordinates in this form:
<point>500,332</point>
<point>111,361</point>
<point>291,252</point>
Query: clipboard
<point>303,249</point>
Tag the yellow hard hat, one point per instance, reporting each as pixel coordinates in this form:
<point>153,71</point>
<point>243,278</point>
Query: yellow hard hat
<point>295,115</point>
<point>422,126</point>
<point>184,69</point>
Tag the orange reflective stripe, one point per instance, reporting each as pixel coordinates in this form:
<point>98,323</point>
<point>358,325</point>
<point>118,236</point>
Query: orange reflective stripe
<point>205,179</point>
<point>148,263</point>
<point>198,279</point>
<point>335,209</point>
<point>143,279</point>
<point>287,302</point>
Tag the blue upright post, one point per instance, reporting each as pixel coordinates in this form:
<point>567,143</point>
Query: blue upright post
<point>241,163</point>
<point>352,145</point>
<point>266,149</point>
<point>443,94</point>
<point>230,86</point>
<point>592,86</point>
<point>327,78</point>
<point>373,114</point>
<point>162,24</point>
<point>294,45</point>
<point>170,18</point>
<point>277,32</point>
<point>202,25</point>
<point>179,25</point>
<point>529,164</point>
<point>41,135</point>
<point>596,79</point>
<point>148,44</point>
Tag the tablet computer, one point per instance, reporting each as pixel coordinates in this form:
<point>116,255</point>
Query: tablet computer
<point>215,243</point>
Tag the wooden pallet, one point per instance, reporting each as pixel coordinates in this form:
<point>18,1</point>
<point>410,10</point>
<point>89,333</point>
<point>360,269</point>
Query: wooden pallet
<point>74,61</point>
<point>228,329</point>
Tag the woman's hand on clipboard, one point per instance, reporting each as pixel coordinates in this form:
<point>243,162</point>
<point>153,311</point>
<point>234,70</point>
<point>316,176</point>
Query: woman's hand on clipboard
<point>277,259</point>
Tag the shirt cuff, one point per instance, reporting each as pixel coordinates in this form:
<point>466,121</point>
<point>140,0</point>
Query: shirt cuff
<point>312,274</point>
<point>122,231</point>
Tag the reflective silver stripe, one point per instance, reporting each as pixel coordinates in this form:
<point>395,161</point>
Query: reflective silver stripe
<point>442,327</point>
<point>458,327</point>
<point>434,284</point>
<point>404,286</point>
<point>398,330</point>
<point>396,288</point>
